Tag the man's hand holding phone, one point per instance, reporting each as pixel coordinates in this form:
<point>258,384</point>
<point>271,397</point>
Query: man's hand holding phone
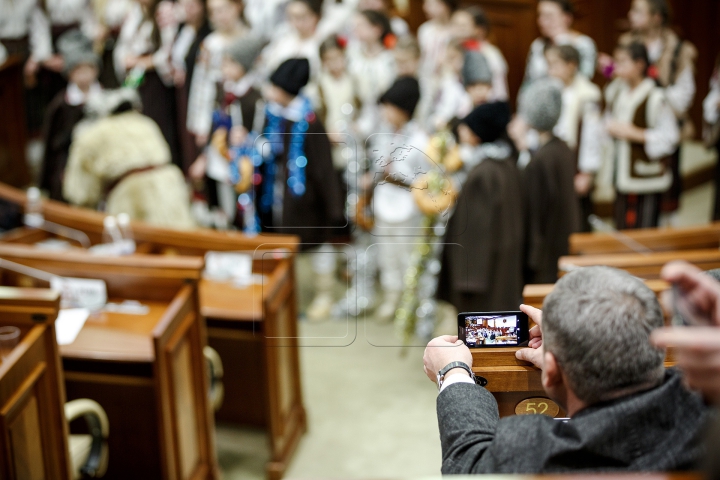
<point>533,354</point>
<point>442,351</point>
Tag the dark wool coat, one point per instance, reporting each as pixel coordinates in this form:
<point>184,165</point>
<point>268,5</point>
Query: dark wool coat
<point>553,209</point>
<point>318,214</point>
<point>483,272</point>
<point>659,430</point>
<point>60,121</point>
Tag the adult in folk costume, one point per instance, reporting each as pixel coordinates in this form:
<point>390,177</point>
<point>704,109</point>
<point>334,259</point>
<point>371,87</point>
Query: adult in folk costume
<point>644,135</point>
<point>552,212</point>
<point>122,159</point>
<point>482,257</point>
<point>299,192</point>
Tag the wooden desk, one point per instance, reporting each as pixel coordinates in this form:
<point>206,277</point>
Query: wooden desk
<point>33,430</point>
<point>147,371</point>
<point>644,266</point>
<point>656,239</point>
<point>242,324</point>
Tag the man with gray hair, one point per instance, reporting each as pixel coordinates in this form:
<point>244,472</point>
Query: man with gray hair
<point>591,341</point>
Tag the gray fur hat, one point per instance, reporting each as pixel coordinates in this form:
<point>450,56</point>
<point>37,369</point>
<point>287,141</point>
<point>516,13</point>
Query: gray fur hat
<point>76,49</point>
<point>475,69</point>
<point>541,104</point>
<point>245,50</point>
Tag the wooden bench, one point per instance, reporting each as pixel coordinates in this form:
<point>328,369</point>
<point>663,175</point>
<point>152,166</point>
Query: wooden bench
<point>646,266</point>
<point>33,430</point>
<point>534,295</point>
<point>245,325</point>
<point>146,370</point>
<point>655,239</point>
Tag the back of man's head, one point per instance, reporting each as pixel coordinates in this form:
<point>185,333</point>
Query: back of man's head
<point>597,322</point>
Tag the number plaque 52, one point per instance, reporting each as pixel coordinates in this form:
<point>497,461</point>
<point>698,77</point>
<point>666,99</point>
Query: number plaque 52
<point>537,405</point>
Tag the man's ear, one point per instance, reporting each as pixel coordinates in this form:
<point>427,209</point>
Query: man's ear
<point>551,375</point>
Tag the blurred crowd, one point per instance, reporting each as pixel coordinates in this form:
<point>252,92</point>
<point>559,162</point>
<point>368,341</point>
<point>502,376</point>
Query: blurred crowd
<point>310,117</point>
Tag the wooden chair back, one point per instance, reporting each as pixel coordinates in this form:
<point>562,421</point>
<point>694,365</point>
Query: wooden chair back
<point>33,430</point>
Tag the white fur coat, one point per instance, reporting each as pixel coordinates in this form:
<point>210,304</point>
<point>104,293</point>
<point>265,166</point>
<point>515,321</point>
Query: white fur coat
<point>104,151</point>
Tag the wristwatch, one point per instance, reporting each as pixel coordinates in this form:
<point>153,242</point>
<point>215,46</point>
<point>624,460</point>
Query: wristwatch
<point>441,374</point>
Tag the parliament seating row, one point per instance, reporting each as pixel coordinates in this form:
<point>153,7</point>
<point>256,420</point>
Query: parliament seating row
<point>146,370</point>
<point>253,328</point>
<point>34,416</point>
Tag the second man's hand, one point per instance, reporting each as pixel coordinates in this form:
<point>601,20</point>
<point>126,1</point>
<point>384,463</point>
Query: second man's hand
<point>533,354</point>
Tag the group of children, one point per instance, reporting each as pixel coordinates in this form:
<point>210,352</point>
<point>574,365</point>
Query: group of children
<point>302,123</point>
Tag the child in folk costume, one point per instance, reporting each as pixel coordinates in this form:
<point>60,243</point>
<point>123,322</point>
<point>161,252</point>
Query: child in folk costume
<point>644,133</point>
<point>183,56</point>
<point>552,205</point>
<point>143,48</point>
<point>338,106</point>
<point>372,66</point>
<point>471,27</point>
<point>237,120</point>
<point>434,35</point>
<point>226,18</point>
<point>81,67</point>
<point>711,128</point>
<point>451,100</point>
<point>397,158</point>
<point>298,193</point>
<point>407,56</point>
<point>477,77</point>
<point>673,67</point>
<point>399,26</point>
<point>555,18</point>
<point>483,272</point>
<point>300,39</point>
<point>122,159</point>
<point>580,123</point>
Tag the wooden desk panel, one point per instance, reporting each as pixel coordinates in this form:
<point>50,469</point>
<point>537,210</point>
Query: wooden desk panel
<point>656,239</point>
<point>33,429</point>
<point>644,266</point>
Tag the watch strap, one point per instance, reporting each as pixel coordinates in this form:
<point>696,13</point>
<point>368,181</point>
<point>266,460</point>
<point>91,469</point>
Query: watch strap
<point>441,374</point>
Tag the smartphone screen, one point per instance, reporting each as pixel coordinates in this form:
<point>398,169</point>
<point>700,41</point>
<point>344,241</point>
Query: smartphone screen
<point>493,329</point>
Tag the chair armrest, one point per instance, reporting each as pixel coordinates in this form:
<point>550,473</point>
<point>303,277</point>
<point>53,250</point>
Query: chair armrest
<point>99,428</point>
<point>215,369</point>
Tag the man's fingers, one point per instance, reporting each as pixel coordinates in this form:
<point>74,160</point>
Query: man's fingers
<point>529,355</point>
<point>535,314</point>
<point>692,338</point>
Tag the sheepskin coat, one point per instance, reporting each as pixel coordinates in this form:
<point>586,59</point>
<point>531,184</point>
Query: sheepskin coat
<point>109,150</point>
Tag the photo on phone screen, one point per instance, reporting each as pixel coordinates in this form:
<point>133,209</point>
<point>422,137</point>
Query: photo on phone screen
<point>493,329</point>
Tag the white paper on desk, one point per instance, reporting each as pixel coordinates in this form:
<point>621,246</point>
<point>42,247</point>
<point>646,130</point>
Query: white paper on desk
<point>69,323</point>
<point>229,265</point>
<point>80,292</point>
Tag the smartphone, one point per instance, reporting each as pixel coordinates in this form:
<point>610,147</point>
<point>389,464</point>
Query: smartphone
<point>684,313</point>
<point>493,329</point>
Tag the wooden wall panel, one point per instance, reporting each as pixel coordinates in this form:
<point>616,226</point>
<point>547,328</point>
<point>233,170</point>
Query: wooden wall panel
<point>514,28</point>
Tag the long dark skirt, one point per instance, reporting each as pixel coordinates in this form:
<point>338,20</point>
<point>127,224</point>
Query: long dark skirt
<point>637,211</point>
<point>158,102</point>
